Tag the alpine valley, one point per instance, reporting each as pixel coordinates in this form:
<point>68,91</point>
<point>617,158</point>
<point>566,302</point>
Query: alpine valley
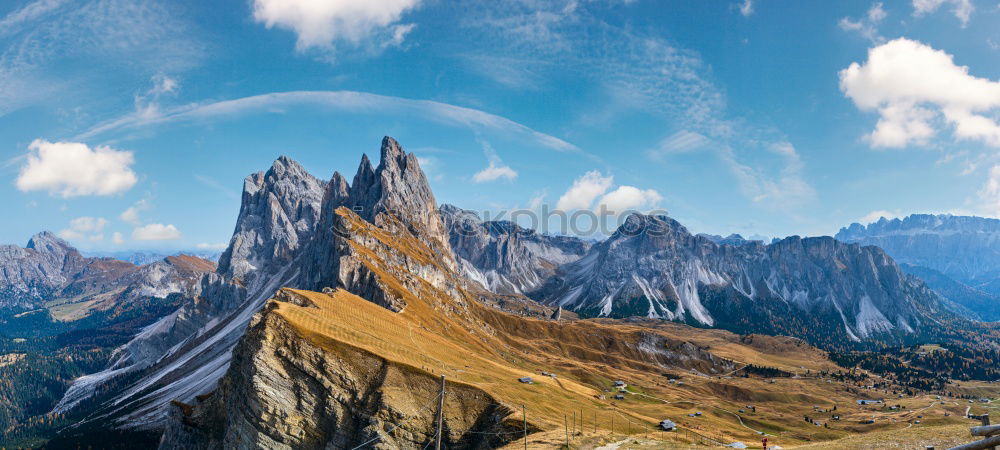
<point>339,305</point>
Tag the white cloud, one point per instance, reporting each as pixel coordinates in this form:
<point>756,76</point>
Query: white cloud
<point>71,169</point>
<point>637,72</point>
<point>746,8</point>
<point>593,186</point>
<point>496,169</point>
<point>584,190</point>
<point>117,238</point>
<point>147,105</point>
<point>962,9</point>
<point>208,246</point>
<point>537,201</point>
<point>911,84</point>
<point>56,52</point>
<point>156,232</point>
<point>989,195</point>
<point>627,198</point>
<point>680,142</point>
<point>494,172</point>
<point>28,13</point>
<point>131,215</point>
<point>89,228</point>
<point>319,23</point>
<point>874,216</point>
<point>866,26</point>
<point>786,188</point>
<point>347,101</point>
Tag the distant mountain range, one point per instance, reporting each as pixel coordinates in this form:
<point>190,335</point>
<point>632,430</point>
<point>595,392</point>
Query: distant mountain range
<point>383,238</point>
<point>959,256</point>
<point>140,257</point>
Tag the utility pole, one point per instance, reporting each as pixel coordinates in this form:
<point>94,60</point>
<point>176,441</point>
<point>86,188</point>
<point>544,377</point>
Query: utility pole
<point>574,423</point>
<point>440,424</point>
<point>566,429</point>
<point>524,412</point>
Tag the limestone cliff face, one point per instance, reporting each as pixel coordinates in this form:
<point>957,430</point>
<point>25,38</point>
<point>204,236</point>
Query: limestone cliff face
<point>284,391</point>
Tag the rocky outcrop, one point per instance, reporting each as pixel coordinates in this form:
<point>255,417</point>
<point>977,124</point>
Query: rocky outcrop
<point>283,391</point>
<point>652,266</point>
<point>503,257</point>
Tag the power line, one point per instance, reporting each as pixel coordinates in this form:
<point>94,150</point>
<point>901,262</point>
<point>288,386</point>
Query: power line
<point>394,426</point>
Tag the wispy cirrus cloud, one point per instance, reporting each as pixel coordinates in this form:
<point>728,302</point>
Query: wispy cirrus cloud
<point>54,49</point>
<point>637,71</point>
<point>866,26</point>
<point>962,9</point>
<point>345,101</point>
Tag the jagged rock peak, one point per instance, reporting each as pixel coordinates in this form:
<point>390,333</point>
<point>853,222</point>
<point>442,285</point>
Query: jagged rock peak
<point>397,186</point>
<point>48,242</point>
<point>279,211</point>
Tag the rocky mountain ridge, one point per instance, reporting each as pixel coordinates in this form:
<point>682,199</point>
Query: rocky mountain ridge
<point>50,270</point>
<point>964,249</point>
<point>652,266</point>
<point>503,256</point>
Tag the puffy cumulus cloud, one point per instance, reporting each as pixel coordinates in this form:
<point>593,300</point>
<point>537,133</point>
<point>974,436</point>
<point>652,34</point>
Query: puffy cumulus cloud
<point>117,238</point>
<point>72,169</point>
<point>911,85</point>
<point>962,9</point>
<point>746,8</point>
<point>629,198</point>
<point>89,228</point>
<point>584,191</point>
<point>131,214</point>
<point>590,191</point>
<point>156,232</point>
<point>319,23</point>
<point>496,169</point>
<point>210,246</point>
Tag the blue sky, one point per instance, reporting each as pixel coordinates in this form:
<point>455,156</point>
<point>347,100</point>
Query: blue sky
<point>130,124</point>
